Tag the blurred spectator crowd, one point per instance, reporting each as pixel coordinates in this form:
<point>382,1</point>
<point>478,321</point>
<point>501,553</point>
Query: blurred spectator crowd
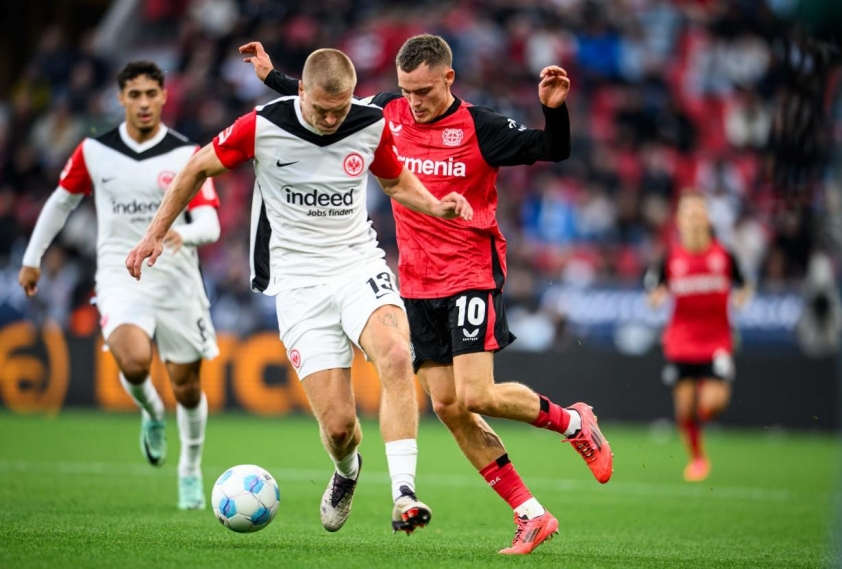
<point>666,95</point>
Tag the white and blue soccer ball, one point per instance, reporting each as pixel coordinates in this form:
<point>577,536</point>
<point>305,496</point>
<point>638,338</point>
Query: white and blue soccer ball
<point>245,498</point>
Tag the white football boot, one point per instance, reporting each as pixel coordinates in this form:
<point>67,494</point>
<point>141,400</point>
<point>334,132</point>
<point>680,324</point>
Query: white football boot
<point>409,513</point>
<point>336,501</point>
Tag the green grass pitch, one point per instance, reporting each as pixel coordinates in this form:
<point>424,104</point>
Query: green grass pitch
<point>75,492</point>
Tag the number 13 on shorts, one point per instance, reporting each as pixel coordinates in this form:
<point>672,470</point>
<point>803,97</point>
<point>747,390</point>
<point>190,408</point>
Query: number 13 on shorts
<point>381,285</point>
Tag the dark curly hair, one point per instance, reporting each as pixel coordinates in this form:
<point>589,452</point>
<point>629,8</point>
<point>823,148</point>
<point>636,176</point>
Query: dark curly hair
<point>137,68</point>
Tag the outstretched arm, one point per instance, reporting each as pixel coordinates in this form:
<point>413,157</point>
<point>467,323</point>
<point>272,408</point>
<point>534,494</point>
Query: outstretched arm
<point>408,190</point>
<point>50,221</point>
<point>286,85</point>
<point>743,289</point>
<point>74,184</point>
<point>655,284</point>
<point>504,142</point>
<point>554,86</point>
<point>275,80</point>
<point>200,167</point>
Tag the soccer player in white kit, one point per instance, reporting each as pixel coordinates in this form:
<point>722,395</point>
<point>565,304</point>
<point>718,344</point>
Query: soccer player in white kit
<point>128,169</point>
<point>315,250</point>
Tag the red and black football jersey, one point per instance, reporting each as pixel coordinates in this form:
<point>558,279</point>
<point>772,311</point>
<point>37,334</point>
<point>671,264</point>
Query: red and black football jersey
<point>461,151</point>
<point>701,285</point>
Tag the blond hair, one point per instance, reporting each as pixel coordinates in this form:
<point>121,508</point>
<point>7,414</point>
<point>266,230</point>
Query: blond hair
<point>329,70</point>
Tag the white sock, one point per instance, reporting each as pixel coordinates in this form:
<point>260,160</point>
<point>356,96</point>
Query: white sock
<point>575,423</point>
<point>146,397</point>
<point>191,432</point>
<point>348,467</point>
<point>402,457</point>
<point>530,509</point>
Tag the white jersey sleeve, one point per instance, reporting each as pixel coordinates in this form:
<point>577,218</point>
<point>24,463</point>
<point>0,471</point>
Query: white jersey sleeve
<point>50,221</point>
<point>74,184</point>
<point>203,227</point>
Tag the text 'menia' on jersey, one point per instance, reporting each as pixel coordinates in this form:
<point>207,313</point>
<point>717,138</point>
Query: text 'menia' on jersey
<point>462,150</point>
<point>128,180</point>
<point>309,216</point>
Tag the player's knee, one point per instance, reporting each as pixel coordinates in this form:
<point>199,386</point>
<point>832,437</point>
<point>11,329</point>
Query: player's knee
<point>449,411</point>
<point>188,394</point>
<point>135,370</point>
<point>477,401</point>
<point>712,409</point>
<point>682,415</point>
<point>395,363</point>
<point>340,431</point>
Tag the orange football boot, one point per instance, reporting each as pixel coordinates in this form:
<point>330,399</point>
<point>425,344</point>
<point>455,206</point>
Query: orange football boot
<point>590,443</point>
<point>531,533</point>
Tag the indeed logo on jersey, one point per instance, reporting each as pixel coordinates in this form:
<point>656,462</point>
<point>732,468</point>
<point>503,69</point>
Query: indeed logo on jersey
<point>315,198</point>
<point>433,167</point>
<point>134,207</point>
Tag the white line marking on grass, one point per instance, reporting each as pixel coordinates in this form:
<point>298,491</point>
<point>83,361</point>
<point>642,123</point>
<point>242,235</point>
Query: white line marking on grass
<point>619,487</point>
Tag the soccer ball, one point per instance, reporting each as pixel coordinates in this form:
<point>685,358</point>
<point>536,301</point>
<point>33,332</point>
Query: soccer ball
<point>245,498</point>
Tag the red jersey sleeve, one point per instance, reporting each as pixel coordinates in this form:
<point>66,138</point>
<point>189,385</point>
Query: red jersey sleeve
<point>235,144</point>
<point>386,164</point>
<point>207,195</point>
<point>75,177</point>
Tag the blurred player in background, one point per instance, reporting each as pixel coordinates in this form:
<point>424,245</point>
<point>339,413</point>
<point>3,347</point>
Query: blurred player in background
<point>699,273</point>
<point>452,276</point>
<point>315,250</point>
<point>128,169</point>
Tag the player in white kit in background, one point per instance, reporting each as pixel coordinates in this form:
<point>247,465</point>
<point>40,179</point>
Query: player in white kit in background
<point>315,250</point>
<point>128,169</point>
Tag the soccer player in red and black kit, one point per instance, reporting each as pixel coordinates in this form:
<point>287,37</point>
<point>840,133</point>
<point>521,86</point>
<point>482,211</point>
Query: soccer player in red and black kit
<point>452,276</point>
<point>699,273</point>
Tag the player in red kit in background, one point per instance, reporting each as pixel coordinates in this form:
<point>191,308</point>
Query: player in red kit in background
<point>452,278</point>
<point>699,273</point>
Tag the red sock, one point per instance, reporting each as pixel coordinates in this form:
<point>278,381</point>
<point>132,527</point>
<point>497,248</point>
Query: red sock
<point>552,416</point>
<point>693,435</point>
<point>504,479</point>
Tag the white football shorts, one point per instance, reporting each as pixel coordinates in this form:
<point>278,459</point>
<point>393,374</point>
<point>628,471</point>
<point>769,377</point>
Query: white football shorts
<point>319,325</point>
<point>183,332</point>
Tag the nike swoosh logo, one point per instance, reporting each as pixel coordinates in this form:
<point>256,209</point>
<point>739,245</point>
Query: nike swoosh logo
<point>280,164</point>
<point>106,180</point>
<point>149,454</point>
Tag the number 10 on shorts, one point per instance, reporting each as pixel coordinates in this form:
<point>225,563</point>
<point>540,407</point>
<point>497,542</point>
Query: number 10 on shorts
<point>473,310</point>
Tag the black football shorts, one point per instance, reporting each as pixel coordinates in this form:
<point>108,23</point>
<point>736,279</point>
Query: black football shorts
<point>720,367</point>
<point>468,322</point>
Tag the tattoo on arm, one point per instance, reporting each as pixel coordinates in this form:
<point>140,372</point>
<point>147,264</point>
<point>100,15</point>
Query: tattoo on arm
<point>388,320</point>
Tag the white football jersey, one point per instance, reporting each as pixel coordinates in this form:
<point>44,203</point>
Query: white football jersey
<point>128,181</point>
<point>309,216</point>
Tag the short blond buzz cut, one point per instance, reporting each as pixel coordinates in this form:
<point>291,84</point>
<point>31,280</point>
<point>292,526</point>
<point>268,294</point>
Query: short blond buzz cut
<point>329,70</point>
